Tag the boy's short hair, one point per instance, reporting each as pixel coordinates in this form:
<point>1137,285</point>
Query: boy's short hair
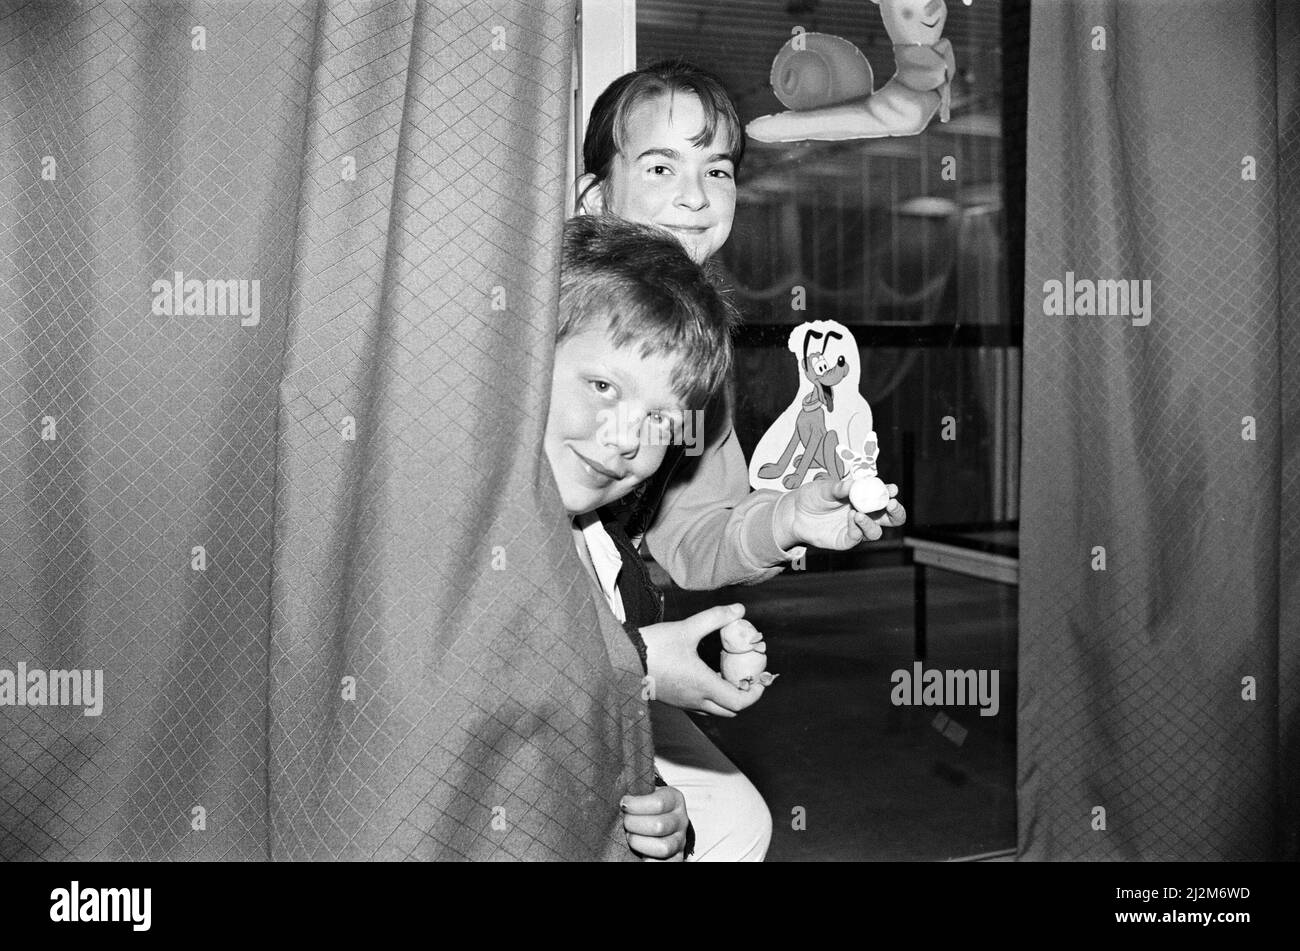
<point>639,284</point>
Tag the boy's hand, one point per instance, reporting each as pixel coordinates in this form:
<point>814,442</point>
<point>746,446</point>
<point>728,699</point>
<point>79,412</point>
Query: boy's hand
<point>818,513</point>
<point>655,825</point>
<point>678,675</point>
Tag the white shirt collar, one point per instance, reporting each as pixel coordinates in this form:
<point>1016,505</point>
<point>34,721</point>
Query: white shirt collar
<point>605,558</point>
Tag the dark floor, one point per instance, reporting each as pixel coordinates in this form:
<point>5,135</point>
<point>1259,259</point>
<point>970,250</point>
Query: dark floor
<point>874,781</point>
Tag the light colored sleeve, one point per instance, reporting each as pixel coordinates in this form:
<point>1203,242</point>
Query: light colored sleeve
<point>711,529</point>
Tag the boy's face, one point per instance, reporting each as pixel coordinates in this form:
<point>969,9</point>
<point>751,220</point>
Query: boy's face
<point>613,414</point>
<point>660,178</point>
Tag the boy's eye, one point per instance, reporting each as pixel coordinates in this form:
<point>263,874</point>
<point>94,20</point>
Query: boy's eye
<point>660,169</point>
<point>665,422</point>
<point>601,386</point>
<point>720,172</point>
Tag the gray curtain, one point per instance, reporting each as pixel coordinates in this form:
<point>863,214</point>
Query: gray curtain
<point>1135,693</point>
<point>316,552</point>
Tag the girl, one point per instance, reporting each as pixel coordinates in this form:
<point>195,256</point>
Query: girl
<point>663,147</point>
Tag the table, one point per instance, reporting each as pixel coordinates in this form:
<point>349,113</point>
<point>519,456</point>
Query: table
<point>989,550</point>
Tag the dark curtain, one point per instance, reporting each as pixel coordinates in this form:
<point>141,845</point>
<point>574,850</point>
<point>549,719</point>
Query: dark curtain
<point>1173,155</point>
<point>317,555</point>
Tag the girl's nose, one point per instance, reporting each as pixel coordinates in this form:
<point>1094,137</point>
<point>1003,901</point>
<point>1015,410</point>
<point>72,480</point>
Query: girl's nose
<point>692,194</point>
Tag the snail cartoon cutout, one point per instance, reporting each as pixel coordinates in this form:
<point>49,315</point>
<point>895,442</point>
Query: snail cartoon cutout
<point>825,82</point>
<point>827,430</point>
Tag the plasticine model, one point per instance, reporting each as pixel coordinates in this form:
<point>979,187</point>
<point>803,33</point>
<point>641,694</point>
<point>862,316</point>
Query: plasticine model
<point>826,83</point>
<point>744,656</point>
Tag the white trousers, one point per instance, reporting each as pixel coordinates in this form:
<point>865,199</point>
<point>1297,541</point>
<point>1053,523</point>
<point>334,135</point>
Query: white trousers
<point>732,822</point>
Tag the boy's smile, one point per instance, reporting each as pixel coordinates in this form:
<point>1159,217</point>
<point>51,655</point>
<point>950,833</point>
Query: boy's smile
<point>660,178</point>
<point>611,419</point>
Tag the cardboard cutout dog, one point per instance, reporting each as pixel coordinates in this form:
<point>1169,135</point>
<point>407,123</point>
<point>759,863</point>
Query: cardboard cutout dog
<point>826,432</point>
<point>826,83</point>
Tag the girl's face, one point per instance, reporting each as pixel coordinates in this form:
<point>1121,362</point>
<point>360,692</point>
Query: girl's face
<point>660,178</point>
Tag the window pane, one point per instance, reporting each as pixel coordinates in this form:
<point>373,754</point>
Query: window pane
<point>881,235</point>
<point>914,243</point>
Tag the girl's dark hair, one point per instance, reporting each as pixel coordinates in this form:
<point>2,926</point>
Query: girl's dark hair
<point>639,285</point>
<point>607,127</point>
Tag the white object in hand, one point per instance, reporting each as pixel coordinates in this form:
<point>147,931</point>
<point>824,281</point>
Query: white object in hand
<point>744,655</point>
<point>868,494</point>
<point>741,670</point>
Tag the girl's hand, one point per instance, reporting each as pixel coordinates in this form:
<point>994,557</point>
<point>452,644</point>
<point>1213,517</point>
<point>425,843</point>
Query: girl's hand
<point>818,513</point>
<point>655,825</point>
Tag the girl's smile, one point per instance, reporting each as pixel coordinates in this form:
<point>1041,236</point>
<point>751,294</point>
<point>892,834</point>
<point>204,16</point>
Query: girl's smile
<point>660,177</point>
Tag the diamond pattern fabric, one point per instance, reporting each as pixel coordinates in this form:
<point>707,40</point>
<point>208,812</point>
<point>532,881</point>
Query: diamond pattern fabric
<point>313,545</point>
<point>1160,510</point>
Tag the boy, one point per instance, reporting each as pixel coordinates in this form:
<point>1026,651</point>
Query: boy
<point>644,339</point>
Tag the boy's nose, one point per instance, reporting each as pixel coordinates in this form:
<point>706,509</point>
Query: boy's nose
<point>629,444</point>
<point>625,437</point>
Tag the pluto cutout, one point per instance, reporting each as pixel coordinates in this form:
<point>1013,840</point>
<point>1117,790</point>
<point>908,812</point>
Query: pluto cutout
<point>826,431</point>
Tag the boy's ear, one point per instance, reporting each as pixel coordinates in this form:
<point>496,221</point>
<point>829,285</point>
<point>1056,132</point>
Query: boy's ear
<point>591,194</point>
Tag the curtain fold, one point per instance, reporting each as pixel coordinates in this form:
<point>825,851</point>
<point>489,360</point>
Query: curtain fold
<point>1160,518</point>
<point>307,533</point>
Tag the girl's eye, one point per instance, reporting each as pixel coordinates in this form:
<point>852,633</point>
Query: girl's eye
<point>660,169</point>
<point>720,172</point>
<point>601,386</point>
